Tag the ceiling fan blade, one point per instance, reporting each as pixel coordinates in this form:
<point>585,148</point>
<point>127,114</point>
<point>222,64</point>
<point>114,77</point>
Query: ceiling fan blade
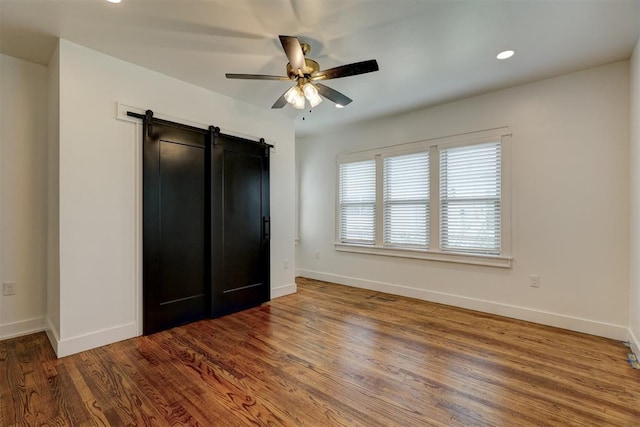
<point>333,95</point>
<point>255,77</point>
<point>292,48</point>
<point>347,70</point>
<point>280,102</point>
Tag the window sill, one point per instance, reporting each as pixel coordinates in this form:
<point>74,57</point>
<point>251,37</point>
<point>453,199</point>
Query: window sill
<point>473,259</point>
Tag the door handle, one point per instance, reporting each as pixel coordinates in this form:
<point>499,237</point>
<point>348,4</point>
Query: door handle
<point>266,228</point>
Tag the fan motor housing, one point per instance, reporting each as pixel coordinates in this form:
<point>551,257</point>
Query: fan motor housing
<point>311,68</point>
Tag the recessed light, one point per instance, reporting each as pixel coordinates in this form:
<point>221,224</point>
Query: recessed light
<point>505,54</point>
<point>114,1</point>
<point>339,106</point>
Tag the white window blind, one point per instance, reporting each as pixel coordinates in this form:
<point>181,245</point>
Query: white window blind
<point>357,202</point>
<point>406,200</point>
<point>470,198</point>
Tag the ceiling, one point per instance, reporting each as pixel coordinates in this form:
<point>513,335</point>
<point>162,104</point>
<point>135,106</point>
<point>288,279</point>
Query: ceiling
<point>428,51</point>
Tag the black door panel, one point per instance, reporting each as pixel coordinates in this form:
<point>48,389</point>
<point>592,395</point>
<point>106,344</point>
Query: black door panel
<point>175,238</point>
<point>206,224</point>
<point>240,203</point>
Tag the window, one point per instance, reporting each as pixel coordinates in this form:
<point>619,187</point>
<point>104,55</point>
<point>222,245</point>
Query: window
<point>443,199</point>
<point>357,200</point>
<point>470,193</point>
<point>406,200</point>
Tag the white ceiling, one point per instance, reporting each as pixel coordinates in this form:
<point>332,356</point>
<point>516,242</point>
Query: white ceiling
<point>429,51</point>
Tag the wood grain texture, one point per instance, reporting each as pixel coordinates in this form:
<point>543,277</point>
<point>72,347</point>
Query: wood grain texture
<point>329,355</point>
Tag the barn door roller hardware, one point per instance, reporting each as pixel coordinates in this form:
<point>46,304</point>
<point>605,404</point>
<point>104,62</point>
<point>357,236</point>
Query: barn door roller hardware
<point>213,132</point>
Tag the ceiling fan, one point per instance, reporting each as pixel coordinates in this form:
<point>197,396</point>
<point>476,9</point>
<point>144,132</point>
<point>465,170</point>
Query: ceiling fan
<point>307,74</point>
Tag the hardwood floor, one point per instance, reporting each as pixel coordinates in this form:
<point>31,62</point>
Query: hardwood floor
<point>328,355</point>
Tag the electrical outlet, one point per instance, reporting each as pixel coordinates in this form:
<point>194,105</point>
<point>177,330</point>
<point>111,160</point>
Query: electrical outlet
<point>317,254</point>
<point>8,288</point>
<point>286,264</point>
<point>534,281</point>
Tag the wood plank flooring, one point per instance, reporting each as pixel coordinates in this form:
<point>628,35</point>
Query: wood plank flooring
<point>328,356</point>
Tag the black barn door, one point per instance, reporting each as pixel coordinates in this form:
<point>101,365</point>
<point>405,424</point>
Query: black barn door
<point>239,224</point>
<point>175,231</point>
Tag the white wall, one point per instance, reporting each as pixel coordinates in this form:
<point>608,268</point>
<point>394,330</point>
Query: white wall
<point>99,166</point>
<point>634,213</point>
<point>23,197</point>
<point>570,211</point>
<point>53,196</point>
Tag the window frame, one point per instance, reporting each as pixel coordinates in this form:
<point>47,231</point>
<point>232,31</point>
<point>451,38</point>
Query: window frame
<point>433,252</point>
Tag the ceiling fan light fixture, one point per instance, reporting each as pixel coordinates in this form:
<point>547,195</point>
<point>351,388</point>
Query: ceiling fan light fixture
<point>311,93</point>
<point>295,97</point>
<point>339,106</point>
<point>315,100</point>
<point>299,103</point>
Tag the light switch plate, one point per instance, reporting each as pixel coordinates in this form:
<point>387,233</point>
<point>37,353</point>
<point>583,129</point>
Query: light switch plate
<point>8,288</point>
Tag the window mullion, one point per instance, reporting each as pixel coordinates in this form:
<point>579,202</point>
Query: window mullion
<point>379,202</point>
<point>434,198</point>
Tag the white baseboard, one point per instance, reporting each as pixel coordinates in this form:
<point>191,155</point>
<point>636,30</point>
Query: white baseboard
<point>53,335</point>
<point>68,346</point>
<point>634,343</point>
<point>522,313</point>
<point>22,327</point>
<point>283,290</point>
